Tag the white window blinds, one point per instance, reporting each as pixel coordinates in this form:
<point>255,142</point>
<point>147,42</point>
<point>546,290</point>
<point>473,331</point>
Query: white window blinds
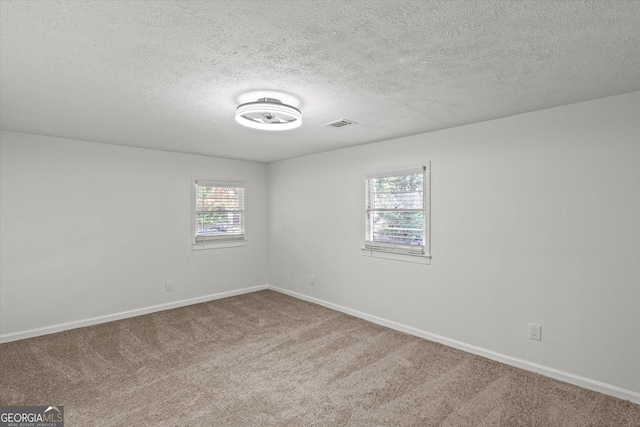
<point>396,212</point>
<point>219,212</point>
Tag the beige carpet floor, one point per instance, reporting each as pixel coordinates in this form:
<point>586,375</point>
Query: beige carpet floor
<point>266,359</point>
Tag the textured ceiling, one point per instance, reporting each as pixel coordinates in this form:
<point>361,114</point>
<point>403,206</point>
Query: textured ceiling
<point>169,74</point>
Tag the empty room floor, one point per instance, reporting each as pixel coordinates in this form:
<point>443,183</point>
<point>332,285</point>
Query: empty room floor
<point>267,359</point>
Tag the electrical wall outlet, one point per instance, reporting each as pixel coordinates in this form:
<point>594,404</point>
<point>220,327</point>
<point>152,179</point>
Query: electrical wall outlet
<point>535,332</point>
<point>168,286</point>
<point>312,280</point>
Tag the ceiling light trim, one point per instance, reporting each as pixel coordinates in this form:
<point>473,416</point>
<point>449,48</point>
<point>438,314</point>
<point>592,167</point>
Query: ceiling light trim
<point>268,114</point>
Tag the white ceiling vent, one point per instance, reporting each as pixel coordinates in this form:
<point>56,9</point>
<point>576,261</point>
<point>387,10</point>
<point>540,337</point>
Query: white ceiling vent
<point>339,124</point>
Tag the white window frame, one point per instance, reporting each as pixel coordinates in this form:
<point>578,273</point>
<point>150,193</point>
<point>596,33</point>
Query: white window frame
<point>220,241</point>
<point>400,252</point>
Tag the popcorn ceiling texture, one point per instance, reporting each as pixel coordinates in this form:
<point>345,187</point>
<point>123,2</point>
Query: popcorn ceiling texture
<point>168,74</point>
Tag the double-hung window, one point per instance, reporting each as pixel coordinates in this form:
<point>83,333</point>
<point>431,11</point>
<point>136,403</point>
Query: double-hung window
<point>218,214</point>
<point>397,215</point>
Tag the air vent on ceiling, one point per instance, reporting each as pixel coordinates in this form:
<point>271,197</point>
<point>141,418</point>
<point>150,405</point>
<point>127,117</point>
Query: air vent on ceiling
<point>339,124</point>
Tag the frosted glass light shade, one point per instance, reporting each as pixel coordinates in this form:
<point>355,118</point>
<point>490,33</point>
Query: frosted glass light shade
<point>268,114</point>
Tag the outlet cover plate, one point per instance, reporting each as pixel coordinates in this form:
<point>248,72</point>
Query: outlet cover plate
<point>535,331</point>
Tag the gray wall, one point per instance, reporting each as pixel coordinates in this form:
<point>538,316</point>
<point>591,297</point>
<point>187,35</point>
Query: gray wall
<point>90,230</point>
<point>535,218</point>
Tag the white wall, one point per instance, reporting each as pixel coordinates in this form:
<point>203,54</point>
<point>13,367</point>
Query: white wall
<point>91,229</point>
<point>536,218</point>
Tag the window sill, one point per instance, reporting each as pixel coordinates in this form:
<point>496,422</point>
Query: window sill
<point>417,259</point>
<point>217,245</point>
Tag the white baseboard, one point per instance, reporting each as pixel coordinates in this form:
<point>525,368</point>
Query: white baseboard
<point>557,374</point>
<point>489,354</point>
<point>123,315</point>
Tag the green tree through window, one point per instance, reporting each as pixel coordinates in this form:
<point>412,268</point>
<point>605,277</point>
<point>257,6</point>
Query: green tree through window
<point>396,212</point>
<point>219,212</point>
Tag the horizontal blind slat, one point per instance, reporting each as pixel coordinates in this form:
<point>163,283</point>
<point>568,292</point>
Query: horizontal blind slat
<point>395,211</point>
<point>219,211</point>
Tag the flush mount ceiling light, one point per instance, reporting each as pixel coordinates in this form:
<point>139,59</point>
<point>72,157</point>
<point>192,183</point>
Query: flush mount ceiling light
<point>268,114</point>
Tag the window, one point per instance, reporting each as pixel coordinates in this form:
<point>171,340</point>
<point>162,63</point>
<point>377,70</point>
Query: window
<point>218,215</point>
<point>397,215</point>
